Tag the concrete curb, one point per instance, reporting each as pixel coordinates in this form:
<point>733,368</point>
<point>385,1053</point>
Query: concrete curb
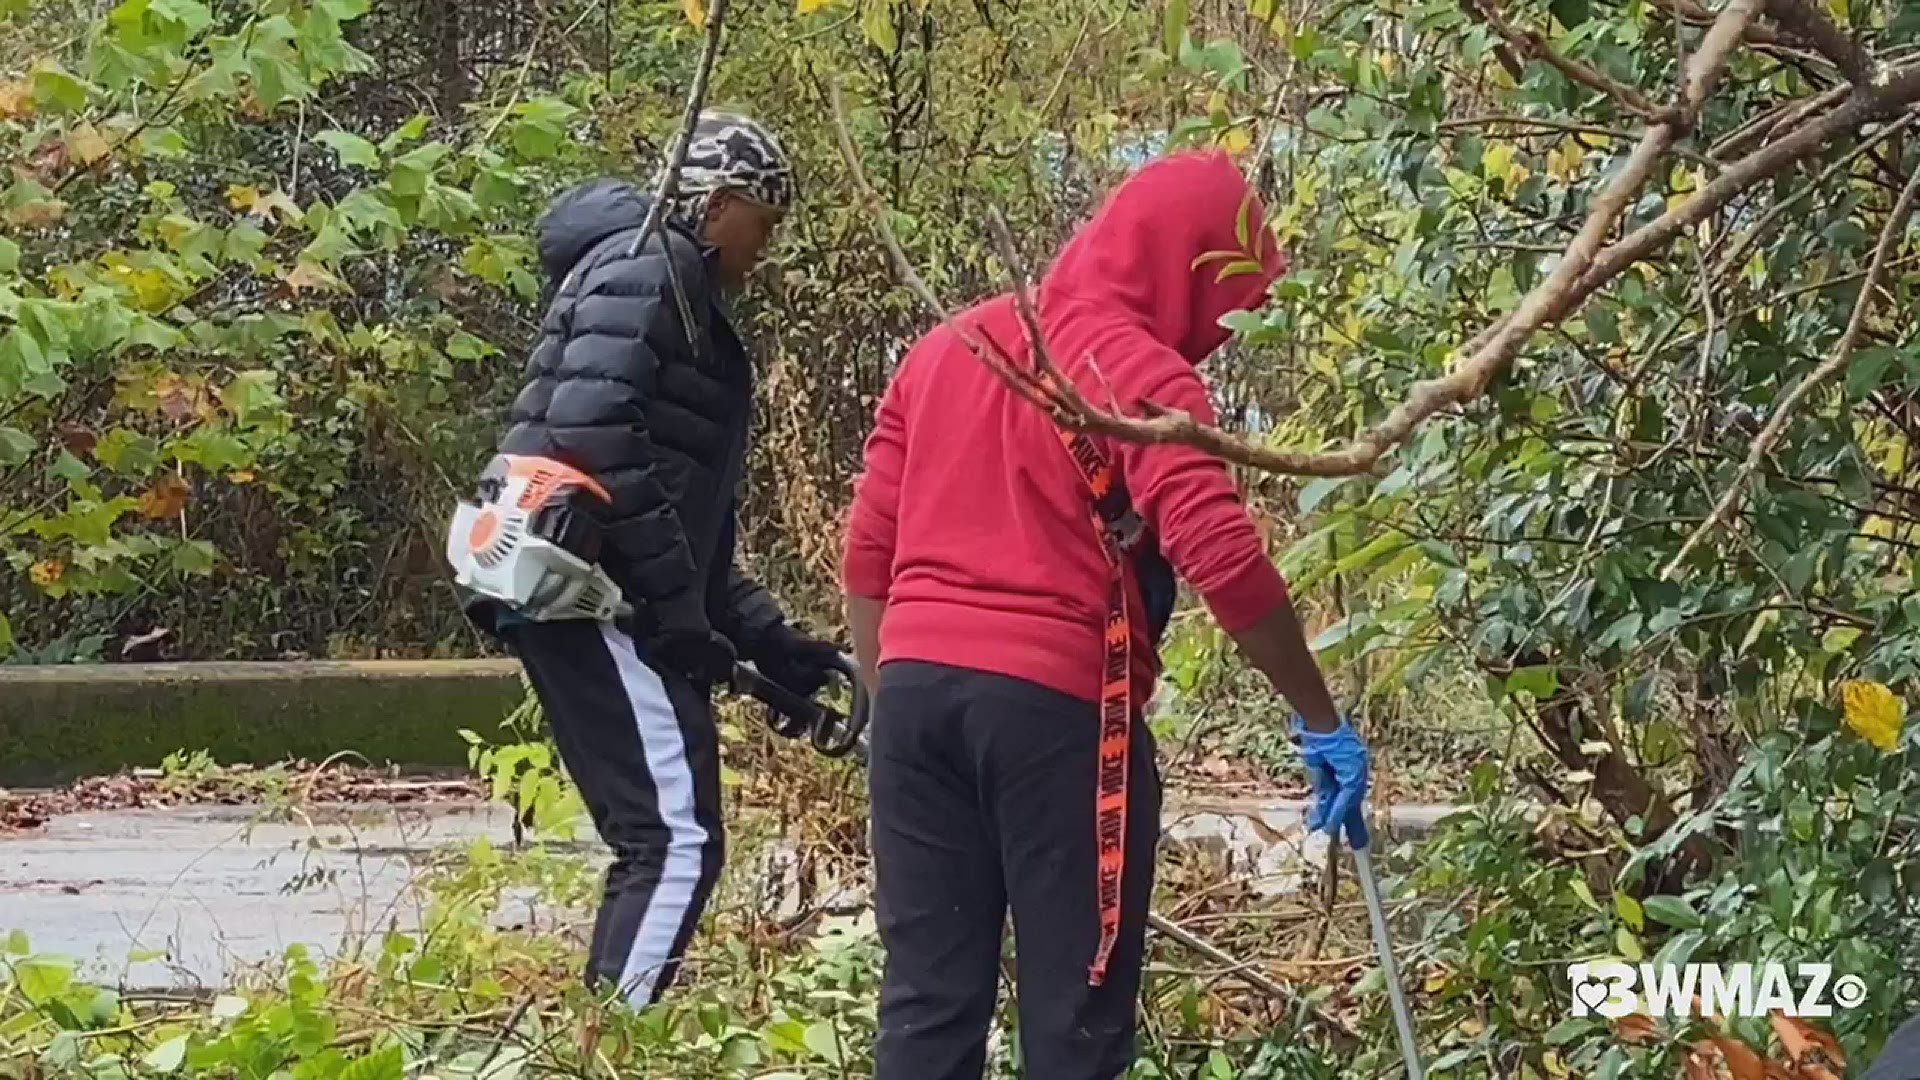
<point>60,722</point>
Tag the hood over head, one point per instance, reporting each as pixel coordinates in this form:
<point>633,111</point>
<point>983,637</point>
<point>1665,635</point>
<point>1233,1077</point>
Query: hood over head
<point>1135,259</point>
<point>584,216</point>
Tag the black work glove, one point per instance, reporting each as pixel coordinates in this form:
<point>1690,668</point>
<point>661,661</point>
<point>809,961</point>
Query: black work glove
<point>800,663</point>
<point>703,656</point>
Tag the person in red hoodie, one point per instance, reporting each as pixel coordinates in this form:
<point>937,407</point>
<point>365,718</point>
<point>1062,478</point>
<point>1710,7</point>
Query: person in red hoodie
<point>1010,766</point>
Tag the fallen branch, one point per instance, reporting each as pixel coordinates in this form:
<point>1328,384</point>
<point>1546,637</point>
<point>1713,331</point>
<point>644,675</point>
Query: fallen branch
<point>1240,970</point>
<point>1890,236</point>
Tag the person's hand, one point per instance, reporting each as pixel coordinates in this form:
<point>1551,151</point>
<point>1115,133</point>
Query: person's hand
<point>798,662</point>
<point>1338,762</point>
<point>702,656</point>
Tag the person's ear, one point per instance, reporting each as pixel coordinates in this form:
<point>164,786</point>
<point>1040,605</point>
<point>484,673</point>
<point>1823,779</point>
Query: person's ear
<point>717,203</point>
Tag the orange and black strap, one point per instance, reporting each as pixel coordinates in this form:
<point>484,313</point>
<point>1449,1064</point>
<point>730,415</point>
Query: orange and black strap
<point>1114,522</point>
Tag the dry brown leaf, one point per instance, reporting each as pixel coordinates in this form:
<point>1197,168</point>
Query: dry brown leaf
<point>1741,1060</point>
<point>77,439</point>
<point>39,214</point>
<point>1636,1030</point>
<point>1814,1053</point>
<point>165,499</point>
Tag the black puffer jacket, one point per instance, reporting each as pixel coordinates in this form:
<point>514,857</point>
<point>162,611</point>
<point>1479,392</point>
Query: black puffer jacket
<point>652,397</point>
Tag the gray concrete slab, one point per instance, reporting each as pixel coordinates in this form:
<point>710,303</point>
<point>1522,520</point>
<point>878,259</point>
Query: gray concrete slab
<point>208,890</point>
<point>190,897</point>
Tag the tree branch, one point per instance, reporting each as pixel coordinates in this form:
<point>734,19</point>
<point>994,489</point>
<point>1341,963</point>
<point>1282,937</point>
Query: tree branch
<point>1808,23</point>
<point>696,99</point>
<point>1890,236</point>
<point>1531,43</point>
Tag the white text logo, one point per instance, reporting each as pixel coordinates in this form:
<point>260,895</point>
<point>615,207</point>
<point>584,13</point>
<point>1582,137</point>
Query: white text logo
<point>1613,989</point>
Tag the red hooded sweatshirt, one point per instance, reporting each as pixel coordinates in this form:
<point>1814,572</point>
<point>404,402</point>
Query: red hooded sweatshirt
<point>971,521</point>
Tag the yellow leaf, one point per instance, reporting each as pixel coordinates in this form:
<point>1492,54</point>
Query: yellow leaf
<point>808,7</point>
<point>38,214</point>
<point>696,13</point>
<point>1236,140</point>
<point>1497,162</point>
<point>276,202</point>
<point>1874,714</point>
<point>46,572</point>
<point>243,476</point>
<point>16,100</point>
<point>1563,161</point>
<point>87,145</point>
<point>311,276</point>
<point>242,196</point>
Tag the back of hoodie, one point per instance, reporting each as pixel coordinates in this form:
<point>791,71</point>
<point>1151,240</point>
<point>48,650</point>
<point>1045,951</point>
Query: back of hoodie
<point>970,520</point>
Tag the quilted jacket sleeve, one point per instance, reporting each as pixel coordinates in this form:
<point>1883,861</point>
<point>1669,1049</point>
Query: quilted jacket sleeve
<point>610,324</point>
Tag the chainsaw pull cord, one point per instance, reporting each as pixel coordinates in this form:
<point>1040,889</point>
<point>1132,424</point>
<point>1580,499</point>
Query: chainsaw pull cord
<point>1119,529</point>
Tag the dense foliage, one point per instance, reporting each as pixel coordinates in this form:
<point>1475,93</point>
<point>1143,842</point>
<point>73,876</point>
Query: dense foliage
<point>267,271</point>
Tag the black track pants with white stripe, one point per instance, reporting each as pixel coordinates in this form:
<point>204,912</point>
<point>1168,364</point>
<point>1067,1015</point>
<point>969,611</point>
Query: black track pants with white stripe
<point>643,750</point>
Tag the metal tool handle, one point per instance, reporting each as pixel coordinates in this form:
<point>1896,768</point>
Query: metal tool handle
<point>1389,967</point>
<point>831,732</point>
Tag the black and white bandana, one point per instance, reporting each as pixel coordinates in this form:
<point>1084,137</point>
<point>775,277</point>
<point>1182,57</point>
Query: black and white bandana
<point>733,152</point>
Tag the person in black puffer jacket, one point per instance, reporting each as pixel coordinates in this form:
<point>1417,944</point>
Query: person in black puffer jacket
<point>641,381</point>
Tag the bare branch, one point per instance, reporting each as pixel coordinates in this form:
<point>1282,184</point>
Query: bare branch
<point>1691,11</point>
<point>1890,236</point>
<point>696,99</point>
<point>1533,44</point>
<point>1813,26</point>
<point>1257,979</point>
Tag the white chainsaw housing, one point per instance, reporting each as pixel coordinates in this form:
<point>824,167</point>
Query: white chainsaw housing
<point>494,553</point>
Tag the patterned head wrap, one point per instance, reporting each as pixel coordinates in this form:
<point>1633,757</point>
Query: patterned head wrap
<point>732,152</point>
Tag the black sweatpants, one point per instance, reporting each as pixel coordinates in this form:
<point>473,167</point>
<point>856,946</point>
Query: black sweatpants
<point>983,799</point>
<point>645,754</point>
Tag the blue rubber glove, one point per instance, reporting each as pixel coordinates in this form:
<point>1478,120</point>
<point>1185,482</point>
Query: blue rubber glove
<point>1338,762</point>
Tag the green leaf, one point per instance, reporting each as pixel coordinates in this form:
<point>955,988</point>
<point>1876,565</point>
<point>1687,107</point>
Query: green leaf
<point>1176,27</point>
<point>1629,910</point>
<point>405,134</point>
<point>229,1007</point>
<point>127,453</point>
<point>57,90</point>
<point>69,468</point>
<point>876,21</point>
<point>1866,369</point>
<point>16,446</point>
<point>387,1064</point>
<point>1317,491</point>
<point>9,256</point>
<point>168,1056</point>
<point>1567,1030</point>
<point>195,557</point>
<point>1539,681</point>
<point>16,942</point>
<point>824,1042</point>
<point>351,149</point>
<point>41,979</point>
<point>1628,945</point>
<point>787,1037</point>
<point>6,649</point>
<point>1672,911</point>
<point>1585,894</point>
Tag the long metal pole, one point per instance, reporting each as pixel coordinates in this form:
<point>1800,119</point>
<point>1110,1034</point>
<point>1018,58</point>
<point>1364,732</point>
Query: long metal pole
<point>1389,967</point>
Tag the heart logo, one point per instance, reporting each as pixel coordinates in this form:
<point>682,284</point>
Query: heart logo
<point>1593,994</point>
